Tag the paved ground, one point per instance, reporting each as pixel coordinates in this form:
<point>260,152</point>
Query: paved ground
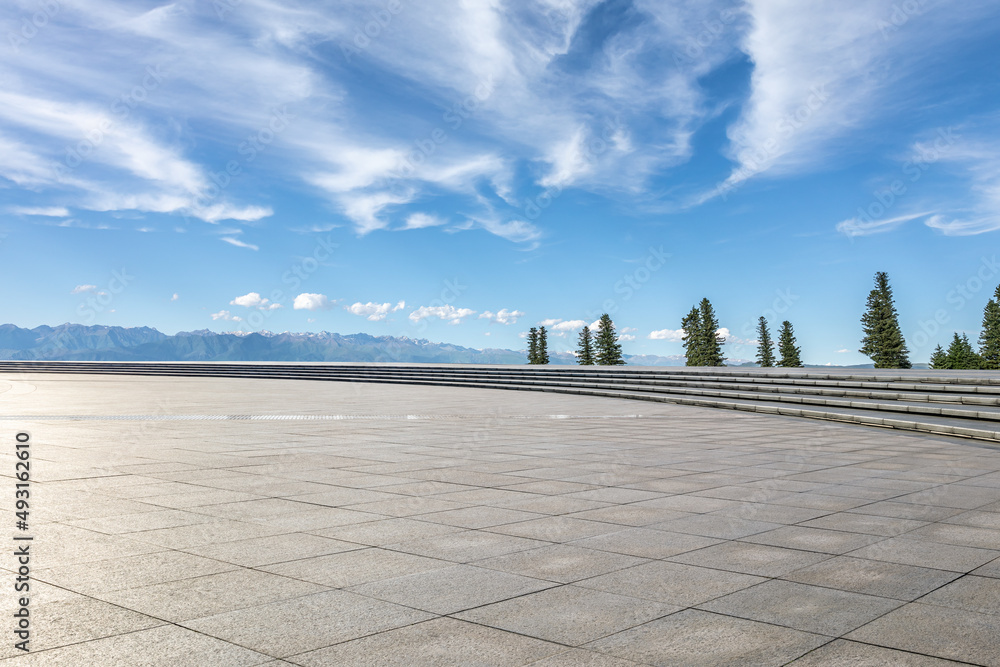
<point>437,526</point>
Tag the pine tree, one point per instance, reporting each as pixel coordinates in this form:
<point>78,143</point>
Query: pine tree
<point>585,351</point>
<point>790,354</point>
<point>765,346</point>
<point>883,340</point>
<point>989,339</point>
<point>606,345</point>
<point>543,347</point>
<point>533,345</point>
<point>711,342</point>
<point>691,324</point>
<point>939,359</point>
<point>961,355</point>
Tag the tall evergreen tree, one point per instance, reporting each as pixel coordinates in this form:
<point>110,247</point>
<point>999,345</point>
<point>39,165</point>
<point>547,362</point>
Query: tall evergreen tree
<point>989,339</point>
<point>790,354</point>
<point>883,340</point>
<point>691,324</point>
<point>585,349</point>
<point>961,355</point>
<point>711,342</point>
<point>939,359</point>
<point>765,346</point>
<point>533,345</point>
<point>543,347</point>
<point>606,345</point>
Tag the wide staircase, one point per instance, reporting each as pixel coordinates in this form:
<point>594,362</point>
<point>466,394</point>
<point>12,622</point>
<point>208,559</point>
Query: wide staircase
<point>947,403</point>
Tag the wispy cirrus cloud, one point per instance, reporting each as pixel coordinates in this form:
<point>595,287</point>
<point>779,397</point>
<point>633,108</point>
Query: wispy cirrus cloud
<point>43,211</point>
<point>826,71</point>
<point>231,240</point>
<point>518,89</point>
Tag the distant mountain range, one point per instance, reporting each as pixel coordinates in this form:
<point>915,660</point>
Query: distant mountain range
<point>77,342</point>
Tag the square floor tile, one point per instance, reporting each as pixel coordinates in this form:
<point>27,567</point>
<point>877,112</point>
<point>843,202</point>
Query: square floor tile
<point>562,563</point>
<point>163,645</point>
<point>306,623</point>
<point>971,593</point>
<point>202,596</point>
<point>646,543</point>
<point>872,577</point>
<point>925,553</point>
<point>451,589</point>
<point>131,571</point>
<point>272,549</point>
<point>351,568</point>
<point>683,585</point>
<point>442,642</point>
<point>809,608</point>
<point>568,614</point>
<point>932,630</point>
<point>842,653</point>
<point>759,559</point>
<point>699,638</point>
<point>814,539</point>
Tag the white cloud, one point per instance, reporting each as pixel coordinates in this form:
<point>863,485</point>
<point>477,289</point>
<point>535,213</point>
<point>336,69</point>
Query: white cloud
<point>626,337</point>
<point>825,69</point>
<point>866,227</point>
<point>44,211</point>
<point>175,297</point>
<point>517,231</point>
<point>423,220</point>
<point>239,244</point>
<point>672,335</point>
<point>562,327</point>
<point>307,301</point>
<point>448,312</point>
<point>977,160</point>
<point>503,316</point>
<point>568,160</point>
<point>80,289</point>
<point>814,75</point>
<point>374,311</point>
<point>843,351</point>
<point>254,300</point>
<point>734,340</point>
<point>606,125</point>
<point>366,210</point>
<point>569,325</point>
<point>226,316</point>
<point>251,300</point>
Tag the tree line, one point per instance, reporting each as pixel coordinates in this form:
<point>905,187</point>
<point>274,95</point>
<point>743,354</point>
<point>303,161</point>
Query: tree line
<point>594,349</point>
<point>961,355</point>
<point>882,342</point>
<point>703,342</point>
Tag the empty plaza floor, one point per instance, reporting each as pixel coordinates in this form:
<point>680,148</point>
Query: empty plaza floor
<point>217,522</point>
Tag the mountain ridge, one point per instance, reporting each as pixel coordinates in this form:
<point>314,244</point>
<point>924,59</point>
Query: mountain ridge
<point>78,342</point>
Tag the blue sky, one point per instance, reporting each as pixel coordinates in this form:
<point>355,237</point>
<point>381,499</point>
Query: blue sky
<point>461,171</point>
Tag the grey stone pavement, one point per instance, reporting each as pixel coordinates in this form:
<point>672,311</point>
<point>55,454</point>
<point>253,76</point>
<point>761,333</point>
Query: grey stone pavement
<point>443,526</point>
